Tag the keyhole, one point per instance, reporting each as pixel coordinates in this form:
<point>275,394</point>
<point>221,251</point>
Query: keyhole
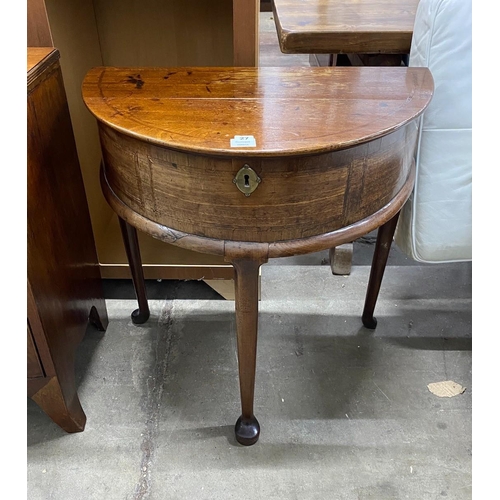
<point>247,180</point>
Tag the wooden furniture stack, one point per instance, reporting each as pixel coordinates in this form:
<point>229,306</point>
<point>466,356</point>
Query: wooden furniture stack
<point>64,283</point>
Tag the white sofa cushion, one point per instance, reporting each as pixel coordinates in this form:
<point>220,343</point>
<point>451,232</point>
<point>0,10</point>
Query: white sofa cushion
<point>436,223</point>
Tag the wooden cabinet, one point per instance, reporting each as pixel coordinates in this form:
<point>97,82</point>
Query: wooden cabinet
<point>91,33</point>
<point>64,282</point>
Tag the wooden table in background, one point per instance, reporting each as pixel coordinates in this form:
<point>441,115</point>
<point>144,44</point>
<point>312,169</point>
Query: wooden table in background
<point>346,32</point>
<point>362,28</point>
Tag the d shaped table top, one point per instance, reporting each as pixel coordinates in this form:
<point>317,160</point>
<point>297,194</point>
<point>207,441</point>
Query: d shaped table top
<point>288,111</point>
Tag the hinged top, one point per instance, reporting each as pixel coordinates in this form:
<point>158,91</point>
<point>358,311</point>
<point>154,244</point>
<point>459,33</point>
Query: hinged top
<point>284,111</point>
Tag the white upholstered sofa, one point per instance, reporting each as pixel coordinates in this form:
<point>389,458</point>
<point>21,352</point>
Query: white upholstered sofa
<point>435,225</point>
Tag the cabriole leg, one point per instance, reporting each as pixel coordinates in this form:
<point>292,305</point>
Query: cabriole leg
<point>247,427</point>
<point>382,247</point>
<point>131,242</point>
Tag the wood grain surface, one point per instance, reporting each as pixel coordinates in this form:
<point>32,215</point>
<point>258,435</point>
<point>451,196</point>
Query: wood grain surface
<point>345,26</point>
<point>245,32</point>
<point>38,28</point>
<point>64,283</point>
<point>38,60</point>
<point>286,248</point>
<point>289,111</point>
<point>164,134</point>
<point>167,32</point>
<point>298,197</point>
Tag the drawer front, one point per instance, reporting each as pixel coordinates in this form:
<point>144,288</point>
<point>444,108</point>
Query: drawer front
<point>35,369</point>
<point>296,197</point>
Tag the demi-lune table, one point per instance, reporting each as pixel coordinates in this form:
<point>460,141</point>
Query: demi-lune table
<point>255,163</point>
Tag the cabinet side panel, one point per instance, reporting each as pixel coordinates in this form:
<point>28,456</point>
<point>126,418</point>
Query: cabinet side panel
<point>75,35</point>
<point>38,29</point>
<point>165,32</point>
<point>34,368</point>
<point>246,32</point>
<point>62,263</point>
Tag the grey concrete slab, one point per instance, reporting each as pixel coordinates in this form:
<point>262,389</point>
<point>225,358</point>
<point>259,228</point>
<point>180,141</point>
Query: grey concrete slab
<point>345,412</point>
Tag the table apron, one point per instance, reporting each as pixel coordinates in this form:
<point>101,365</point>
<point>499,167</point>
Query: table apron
<point>299,197</point>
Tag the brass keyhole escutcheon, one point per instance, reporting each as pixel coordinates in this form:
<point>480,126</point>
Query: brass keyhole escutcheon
<point>247,180</point>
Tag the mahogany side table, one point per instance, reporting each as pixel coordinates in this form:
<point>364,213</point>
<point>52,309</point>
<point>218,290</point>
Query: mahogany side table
<point>254,163</point>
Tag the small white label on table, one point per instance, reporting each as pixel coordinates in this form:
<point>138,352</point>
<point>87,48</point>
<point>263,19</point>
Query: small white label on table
<point>243,141</point>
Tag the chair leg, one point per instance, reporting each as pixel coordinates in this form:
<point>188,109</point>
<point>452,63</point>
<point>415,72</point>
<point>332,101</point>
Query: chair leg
<point>247,427</point>
<point>382,247</point>
<point>129,234</point>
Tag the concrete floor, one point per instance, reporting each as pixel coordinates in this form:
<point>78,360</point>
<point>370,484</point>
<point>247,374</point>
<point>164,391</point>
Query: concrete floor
<point>345,412</point>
